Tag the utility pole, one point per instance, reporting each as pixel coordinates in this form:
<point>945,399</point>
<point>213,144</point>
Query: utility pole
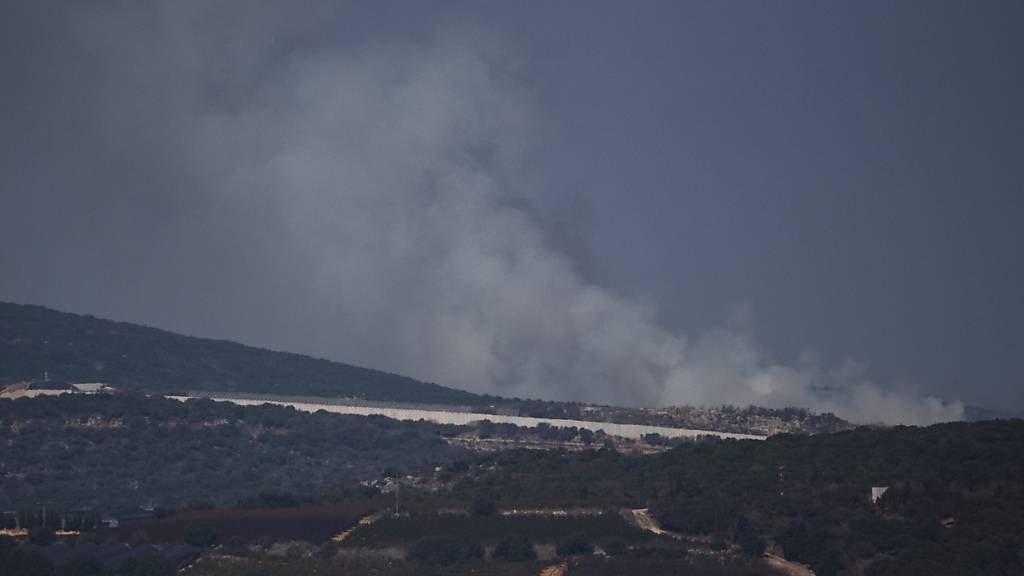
<point>398,491</point>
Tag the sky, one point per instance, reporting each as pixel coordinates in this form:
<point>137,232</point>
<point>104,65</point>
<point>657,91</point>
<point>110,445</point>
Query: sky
<point>810,204</point>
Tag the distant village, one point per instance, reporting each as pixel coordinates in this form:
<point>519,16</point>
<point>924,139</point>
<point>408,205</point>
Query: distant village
<point>52,387</point>
<point>47,387</point>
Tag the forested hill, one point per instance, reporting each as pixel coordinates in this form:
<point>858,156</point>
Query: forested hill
<point>78,348</point>
<point>954,503</point>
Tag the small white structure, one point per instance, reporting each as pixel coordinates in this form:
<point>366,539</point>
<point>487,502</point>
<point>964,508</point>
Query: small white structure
<point>51,388</point>
<point>92,387</point>
<point>877,492</point>
<point>33,389</point>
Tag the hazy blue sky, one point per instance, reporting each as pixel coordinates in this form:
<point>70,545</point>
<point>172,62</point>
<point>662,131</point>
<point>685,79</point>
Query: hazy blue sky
<point>802,196</point>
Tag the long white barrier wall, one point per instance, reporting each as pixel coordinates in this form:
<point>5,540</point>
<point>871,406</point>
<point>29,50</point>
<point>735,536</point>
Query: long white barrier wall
<point>635,431</point>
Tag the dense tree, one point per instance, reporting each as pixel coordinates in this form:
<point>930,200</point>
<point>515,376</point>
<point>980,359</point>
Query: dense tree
<point>134,357</point>
<point>811,494</point>
<point>146,565</point>
<point>445,550</point>
<point>41,536</point>
<point>202,453</point>
<point>515,548</point>
<point>575,545</point>
<point>201,536</point>
<point>484,505</point>
<point>16,561</point>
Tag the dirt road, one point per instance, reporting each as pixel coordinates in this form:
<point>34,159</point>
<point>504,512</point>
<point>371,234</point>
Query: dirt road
<point>787,567</point>
<point>641,517</point>
<point>554,570</point>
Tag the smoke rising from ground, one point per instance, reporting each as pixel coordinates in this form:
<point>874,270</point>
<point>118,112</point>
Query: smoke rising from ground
<point>362,200</point>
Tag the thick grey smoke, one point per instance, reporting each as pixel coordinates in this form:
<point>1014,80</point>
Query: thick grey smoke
<point>371,191</point>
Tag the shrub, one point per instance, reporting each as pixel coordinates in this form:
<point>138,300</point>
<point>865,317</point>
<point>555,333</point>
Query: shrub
<point>200,504</point>
<point>201,536</point>
<point>751,543</point>
<point>41,536</point>
<point>575,545</point>
<point>84,565</point>
<point>484,505</point>
<point>516,548</point>
<point>660,552</point>
<point>614,547</point>
<point>16,560</point>
<point>445,551</point>
<point>270,500</point>
<point>146,565</point>
<point>328,550</point>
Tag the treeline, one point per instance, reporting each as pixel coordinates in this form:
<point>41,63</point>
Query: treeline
<point>77,348</point>
<point>108,452</point>
<point>955,503</point>
<point>91,559</point>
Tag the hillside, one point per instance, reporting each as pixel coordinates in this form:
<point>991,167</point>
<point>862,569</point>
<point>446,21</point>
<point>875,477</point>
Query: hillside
<point>134,358</point>
<point>106,452</point>
<point>79,348</point>
<point>954,505</point>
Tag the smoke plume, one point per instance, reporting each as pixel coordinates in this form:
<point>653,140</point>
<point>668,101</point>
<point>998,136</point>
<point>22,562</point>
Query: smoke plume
<point>362,199</point>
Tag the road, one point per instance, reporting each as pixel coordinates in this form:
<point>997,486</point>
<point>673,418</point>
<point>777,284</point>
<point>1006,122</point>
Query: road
<point>642,518</point>
<point>787,567</point>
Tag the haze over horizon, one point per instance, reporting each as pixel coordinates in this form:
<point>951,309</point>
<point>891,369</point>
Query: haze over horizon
<point>699,203</point>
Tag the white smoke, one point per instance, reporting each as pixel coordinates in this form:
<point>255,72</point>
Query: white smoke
<point>385,176</point>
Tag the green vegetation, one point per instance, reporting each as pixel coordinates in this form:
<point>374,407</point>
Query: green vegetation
<point>79,348</point>
<point>201,536</point>
<point>575,545</point>
<point>41,536</point>
<point>515,548</point>
<point>108,452</point>
<point>21,561</point>
<point>445,551</point>
<point>592,566</point>
<point>955,504</point>
<point>75,348</point>
<point>484,505</point>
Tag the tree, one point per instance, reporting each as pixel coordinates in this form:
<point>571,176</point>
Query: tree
<point>484,505</point>
<point>201,536</point>
<point>146,565</point>
<point>614,547</point>
<point>41,536</point>
<point>86,565</point>
<point>575,545</point>
<point>445,551</point>
<point>751,543</point>
<point>14,560</point>
<point>515,548</point>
